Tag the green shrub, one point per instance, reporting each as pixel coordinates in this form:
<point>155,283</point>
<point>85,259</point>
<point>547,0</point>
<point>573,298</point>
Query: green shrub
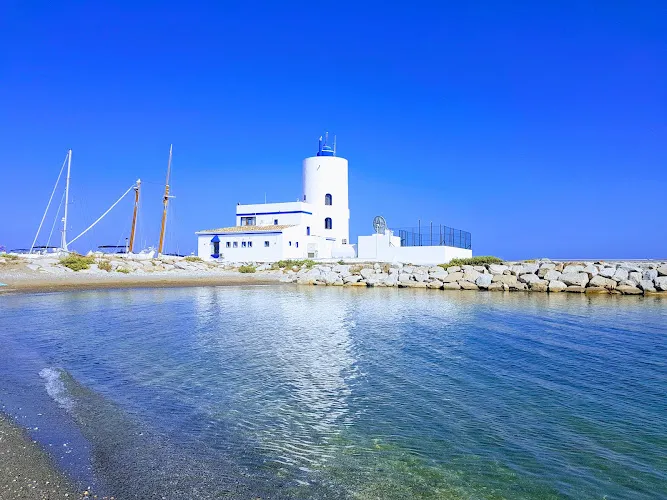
<point>192,258</point>
<point>479,260</point>
<point>123,270</point>
<point>282,264</point>
<point>104,265</point>
<point>9,256</point>
<point>247,269</point>
<point>77,262</point>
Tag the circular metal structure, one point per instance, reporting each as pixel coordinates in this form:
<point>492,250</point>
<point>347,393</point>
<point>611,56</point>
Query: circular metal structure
<point>379,224</point>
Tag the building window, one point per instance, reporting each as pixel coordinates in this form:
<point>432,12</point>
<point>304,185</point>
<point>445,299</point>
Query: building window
<point>228,244</point>
<point>248,221</point>
<point>236,244</point>
<point>297,244</point>
<point>243,244</point>
<point>290,243</point>
<point>344,241</point>
<point>266,243</point>
<point>250,244</point>
<point>327,199</point>
<point>307,230</point>
<point>215,247</point>
<point>304,197</point>
<point>327,223</point>
<point>275,222</point>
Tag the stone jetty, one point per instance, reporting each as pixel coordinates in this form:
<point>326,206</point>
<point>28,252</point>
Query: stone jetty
<point>627,278</point>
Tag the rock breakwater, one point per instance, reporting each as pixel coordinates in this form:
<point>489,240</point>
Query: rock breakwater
<point>627,278</point>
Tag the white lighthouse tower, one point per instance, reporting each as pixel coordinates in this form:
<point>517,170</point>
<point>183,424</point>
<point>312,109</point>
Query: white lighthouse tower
<point>325,187</point>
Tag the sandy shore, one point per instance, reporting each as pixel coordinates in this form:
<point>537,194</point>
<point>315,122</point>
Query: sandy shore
<point>26,471</point>
<point>16,278</point>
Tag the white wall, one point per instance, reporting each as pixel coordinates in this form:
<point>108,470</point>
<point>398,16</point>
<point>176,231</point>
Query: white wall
<point>324,175</point>
<point>290,213</point>
<point>377,247</point>
<point>257,252</point>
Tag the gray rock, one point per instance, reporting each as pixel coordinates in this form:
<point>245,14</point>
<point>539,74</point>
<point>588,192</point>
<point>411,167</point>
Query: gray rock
<point>552,275</point>
<point>573,268</point>
<point>662,270</point>
<point>607,272</point>
<point>635,277</point>
<point>470,275</point>
<point>330,277</point>
<point>391,280</point>
<point>647,285</point>
<point>367,273</point>
<point>576,289</point>
<point>435,270</point>
<point>591,270</point>
<point>467,285</point>
<point>439,276</point>
<point>341,269</point>
<point>479,269</point>
<point>483,280</point>
<point>628,290</point>
<point>557,286</point>
<point>436,284</point>
<point>497,287</point>
<point>352,278</point>
<point>404,277</point>
<point>528,278</point>
<point>661,283</point>
<point>451,286</point>
<point>452,277</point>
<point>453,269</point>
<point>539,286</point>
<point>599,281</point>
<point>650,274</point>
<point>546,266</point>
<point>574,279</point>
<point>178,265</point>
<point>517,270</point>
<point>408,269</point>
<point>518,287</point>
<point>507,279</point>
<point>621,274</point>
<point>530,267</point>
<point>598,289</point>
<point>33,267</point>
<point>497,268</point>
<point>420,277</point>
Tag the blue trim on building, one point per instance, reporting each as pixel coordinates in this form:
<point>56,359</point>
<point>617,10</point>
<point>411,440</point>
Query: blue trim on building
<point>331,239</point>
<point>215,239</point>
<point>275,213</point>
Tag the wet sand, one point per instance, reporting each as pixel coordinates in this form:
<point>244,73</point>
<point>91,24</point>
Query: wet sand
<point>26,471</point>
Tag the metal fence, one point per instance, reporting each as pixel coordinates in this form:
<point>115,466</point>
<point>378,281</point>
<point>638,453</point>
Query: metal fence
<point>434,235</point>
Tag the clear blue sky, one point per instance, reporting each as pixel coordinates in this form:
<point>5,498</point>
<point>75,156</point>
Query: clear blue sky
<point>541,127</point>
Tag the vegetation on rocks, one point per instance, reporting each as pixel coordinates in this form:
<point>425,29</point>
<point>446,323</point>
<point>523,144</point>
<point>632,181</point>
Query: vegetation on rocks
<point>479,260</point>
<point>247,269</point>
<point>9,256</point>
<point>192,258</point>
<point>123,270</point>
<point>104,265</point>
<point>77,262</point>
<point>282,264</point>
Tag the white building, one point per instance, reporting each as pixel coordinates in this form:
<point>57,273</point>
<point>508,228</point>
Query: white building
<point>385,247</point>
<point>318,227</point>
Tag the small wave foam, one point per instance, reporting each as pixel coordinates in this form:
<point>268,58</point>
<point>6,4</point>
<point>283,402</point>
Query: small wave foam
<point>55,387</point>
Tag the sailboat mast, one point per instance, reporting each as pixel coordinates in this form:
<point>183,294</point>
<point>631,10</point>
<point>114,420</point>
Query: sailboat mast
<point>63,243</point>
<point>134,216</point>
<point>165,202</point>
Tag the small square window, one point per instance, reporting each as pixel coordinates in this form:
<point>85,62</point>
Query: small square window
<point>228,244</point>
<point>307,230</point>
<point>297,244</point>
<point>236,244</point>
<point>266,243</point>
<point>250,244</point>
<point>243,244</point>
<point>290,243</point>
<point>275,222</point>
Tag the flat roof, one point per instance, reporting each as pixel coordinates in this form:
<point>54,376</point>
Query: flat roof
<point>246,229</point>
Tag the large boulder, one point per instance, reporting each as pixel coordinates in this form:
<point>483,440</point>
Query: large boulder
<point>518,287</point>
<point>647,285</point>
<point>438,275</point>
<point>367,273</point>
<point>467,285</point>
<point>607,272</point>
<point>497,268</point>
<point>573,268</point>
<point>557,286</point>
<point>453,277</point>
<point>352,278</point>
<point>421,277</point>
<point>599,281</point>
<point>436,284</point>
<point>576,289</point>
<point>517,270</point>
<point>342,269</point>
<point>507,279</point>
<point>483,280</point>
<point>330,277</point>
<point>544,268</point>
<point>591,270</point>
<point>662,270</point>
<point>635,277</point>
<point>451,286</point>
<point>530,267</point>
<point>404,277</point>
<point>628,290</point>
<point>539,286</point>
<point>497,286</point>
<point>597,289</point>
<point>650,274</point>
<point>528,278</point>
<point>552,275</point>
<point>661,283</point>
<point>621,274</point>
<point>453,269</point>
<point>470,275</point>
<point>574,279</point>
<point>435,269</point>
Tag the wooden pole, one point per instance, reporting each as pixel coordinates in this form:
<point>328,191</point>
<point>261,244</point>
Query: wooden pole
<point>134,216</point>
<point>165,202</point>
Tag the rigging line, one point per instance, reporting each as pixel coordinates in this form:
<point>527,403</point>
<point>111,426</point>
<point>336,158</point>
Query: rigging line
<point>48,204</point>
<point>102,216</point>
<point>55,220</point>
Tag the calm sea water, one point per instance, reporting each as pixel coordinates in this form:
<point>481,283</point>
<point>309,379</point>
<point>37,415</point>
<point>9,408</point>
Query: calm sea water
<point>279,392</point>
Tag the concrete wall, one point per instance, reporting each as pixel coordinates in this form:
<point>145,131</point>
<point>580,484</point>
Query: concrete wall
<point>290,213</point>
<point>385,248</point>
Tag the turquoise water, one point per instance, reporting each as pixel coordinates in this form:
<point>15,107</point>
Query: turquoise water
<point>281,392</point>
